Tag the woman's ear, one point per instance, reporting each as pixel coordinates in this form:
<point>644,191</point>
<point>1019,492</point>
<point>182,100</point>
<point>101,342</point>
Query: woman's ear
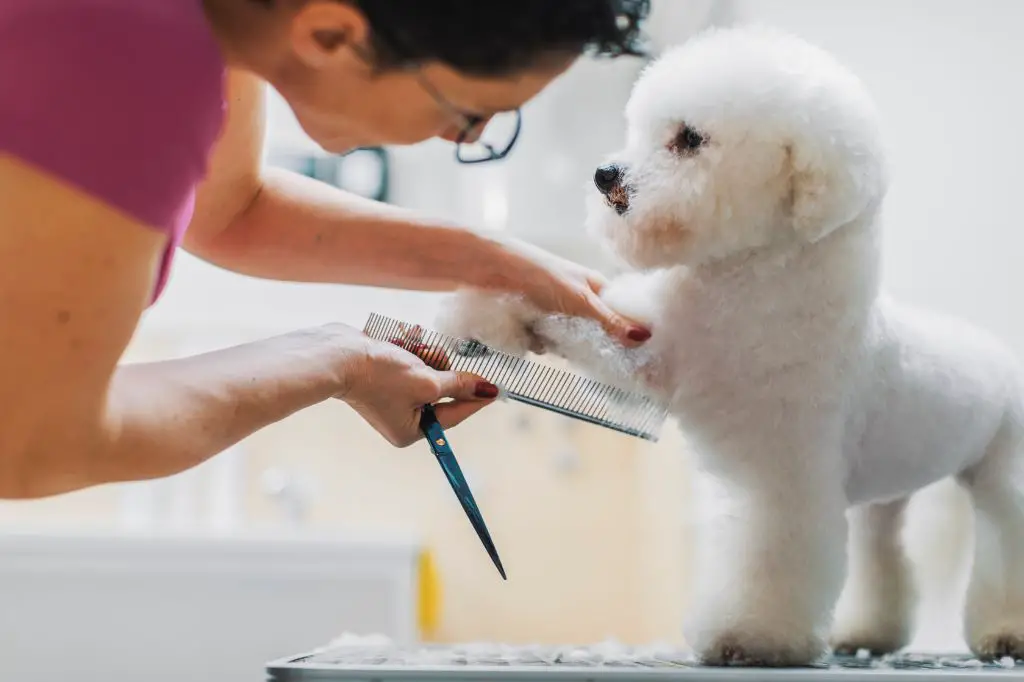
<point>320,29</point>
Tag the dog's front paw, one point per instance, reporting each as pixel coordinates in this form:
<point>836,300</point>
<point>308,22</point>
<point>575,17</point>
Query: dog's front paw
<point>999,643</point>
<point>887,639</point>
<point>761,649</point>
<point>502,322</point>
<point>768,574</point>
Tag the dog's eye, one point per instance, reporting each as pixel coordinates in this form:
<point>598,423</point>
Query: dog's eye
<point>688,140</point>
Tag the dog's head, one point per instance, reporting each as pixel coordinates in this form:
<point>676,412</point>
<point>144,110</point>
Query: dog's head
<point>738,139</point>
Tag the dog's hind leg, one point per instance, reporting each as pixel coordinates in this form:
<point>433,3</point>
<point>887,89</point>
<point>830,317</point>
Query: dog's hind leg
<point>994,612</point>
<point>876,609</point>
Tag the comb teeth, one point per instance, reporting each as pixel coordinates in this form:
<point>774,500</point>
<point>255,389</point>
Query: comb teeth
<point>531,383</point>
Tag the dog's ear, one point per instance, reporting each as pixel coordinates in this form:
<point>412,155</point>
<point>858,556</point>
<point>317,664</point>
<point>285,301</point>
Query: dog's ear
<point>831,187</point>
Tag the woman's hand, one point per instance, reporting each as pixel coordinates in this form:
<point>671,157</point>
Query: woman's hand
<point>557,285</point>
<point>389,383</point>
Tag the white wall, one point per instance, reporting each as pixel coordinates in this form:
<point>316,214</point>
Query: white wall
<point>945,74</point>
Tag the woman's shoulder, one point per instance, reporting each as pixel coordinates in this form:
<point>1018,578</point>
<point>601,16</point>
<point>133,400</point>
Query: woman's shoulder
<point>122,98</point>
<point>107,25</point>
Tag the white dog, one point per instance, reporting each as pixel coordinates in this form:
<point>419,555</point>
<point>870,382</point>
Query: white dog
<point>747,201</point>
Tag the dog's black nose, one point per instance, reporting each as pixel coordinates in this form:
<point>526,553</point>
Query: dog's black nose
<point>606,177</point>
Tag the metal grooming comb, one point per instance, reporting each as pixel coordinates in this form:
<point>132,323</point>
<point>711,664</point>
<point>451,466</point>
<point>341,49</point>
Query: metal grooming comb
<point>533,383</point>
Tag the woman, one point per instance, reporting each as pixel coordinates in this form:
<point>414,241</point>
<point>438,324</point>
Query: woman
<point>130,128</point>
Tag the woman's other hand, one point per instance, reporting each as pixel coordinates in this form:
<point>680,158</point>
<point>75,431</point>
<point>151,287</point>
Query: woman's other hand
<point>556,285</point>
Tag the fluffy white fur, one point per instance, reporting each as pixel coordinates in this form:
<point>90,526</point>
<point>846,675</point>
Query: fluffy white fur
<point>816,403</point>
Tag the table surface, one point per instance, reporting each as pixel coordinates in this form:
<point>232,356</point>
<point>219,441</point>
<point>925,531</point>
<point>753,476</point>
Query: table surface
<point>610,663</point>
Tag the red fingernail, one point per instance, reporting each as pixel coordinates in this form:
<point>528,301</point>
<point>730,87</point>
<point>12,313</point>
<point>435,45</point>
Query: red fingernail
<point>638,334</point>
<point>486,390</point>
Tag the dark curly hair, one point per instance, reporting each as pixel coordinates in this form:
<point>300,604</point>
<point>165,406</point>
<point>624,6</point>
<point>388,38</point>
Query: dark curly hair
<point>499,37</point>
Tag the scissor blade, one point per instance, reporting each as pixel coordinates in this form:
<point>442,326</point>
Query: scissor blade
<point>453,473</point>
<point>438,442</point>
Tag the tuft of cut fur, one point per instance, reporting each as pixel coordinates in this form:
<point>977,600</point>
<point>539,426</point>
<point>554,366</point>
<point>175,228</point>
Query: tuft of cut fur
<point>748,202</point>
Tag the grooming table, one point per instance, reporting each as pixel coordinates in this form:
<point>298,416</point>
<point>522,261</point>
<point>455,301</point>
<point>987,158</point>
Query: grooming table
<point>369,660</point>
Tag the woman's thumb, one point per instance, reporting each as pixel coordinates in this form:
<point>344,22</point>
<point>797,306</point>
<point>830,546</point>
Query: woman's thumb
<point>617,326</point>
<point>466,386</point>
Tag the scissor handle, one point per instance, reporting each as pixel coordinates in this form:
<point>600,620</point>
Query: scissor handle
<point>433,432</point>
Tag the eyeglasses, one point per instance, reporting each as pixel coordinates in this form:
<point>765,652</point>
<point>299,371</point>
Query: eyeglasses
<point>499,135</point>
<point>481,139</point>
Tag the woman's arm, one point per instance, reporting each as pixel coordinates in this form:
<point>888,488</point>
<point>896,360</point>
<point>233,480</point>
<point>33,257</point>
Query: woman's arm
<point>277,224</point>
<point>302,230</point>
<point>165,417</point>
<point>75,278</point>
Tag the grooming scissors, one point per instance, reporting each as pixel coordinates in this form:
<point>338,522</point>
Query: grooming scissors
<point>442,450</point>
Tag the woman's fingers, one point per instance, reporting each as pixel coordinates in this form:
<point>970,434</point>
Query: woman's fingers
<point>434,357</point>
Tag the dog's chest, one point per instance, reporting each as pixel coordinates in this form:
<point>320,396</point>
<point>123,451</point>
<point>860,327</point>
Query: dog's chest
<point>715,347</point>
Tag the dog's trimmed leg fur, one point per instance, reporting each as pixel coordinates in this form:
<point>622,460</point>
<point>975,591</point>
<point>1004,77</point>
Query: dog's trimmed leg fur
<point>994,610</point>
<point>753,604</point>
<point>876,609</point>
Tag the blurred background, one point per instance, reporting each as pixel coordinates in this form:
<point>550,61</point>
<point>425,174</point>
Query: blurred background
<point>315,526</point>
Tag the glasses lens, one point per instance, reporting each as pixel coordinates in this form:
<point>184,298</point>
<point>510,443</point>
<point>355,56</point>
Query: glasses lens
<point>494,141</point>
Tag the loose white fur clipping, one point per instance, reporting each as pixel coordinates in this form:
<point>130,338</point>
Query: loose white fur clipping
<point>375,650</point>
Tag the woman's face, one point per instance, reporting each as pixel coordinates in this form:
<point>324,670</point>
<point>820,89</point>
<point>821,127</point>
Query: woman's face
<point>342,103</point>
